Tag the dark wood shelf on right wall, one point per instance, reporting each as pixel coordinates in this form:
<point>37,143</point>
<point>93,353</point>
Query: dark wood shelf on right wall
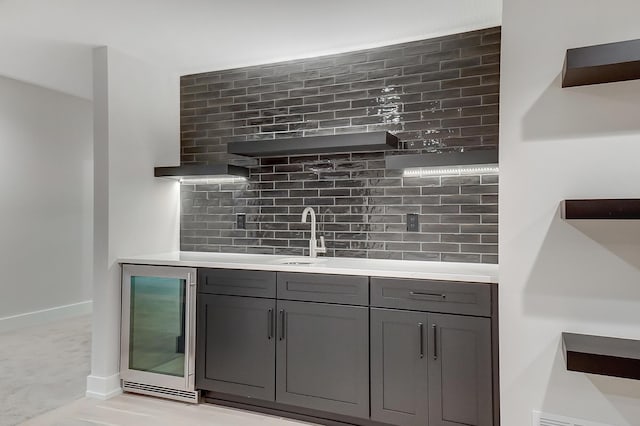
<point>602,208</point>
<point>607,356</point>
<point>604,63</point>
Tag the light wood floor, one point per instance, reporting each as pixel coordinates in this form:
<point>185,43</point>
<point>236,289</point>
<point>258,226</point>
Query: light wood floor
<point>136,410</point>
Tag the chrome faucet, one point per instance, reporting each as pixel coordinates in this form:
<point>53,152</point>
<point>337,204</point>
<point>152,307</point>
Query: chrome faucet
<point>314,248</point>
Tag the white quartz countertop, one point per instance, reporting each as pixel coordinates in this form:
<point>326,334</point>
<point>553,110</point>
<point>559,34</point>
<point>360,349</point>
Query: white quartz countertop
<point>447,271</point>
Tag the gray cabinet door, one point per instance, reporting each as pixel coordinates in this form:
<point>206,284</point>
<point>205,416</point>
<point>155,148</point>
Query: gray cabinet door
<point>323,357</point>
<point>460,378</point>
<point>399,351</point>
<point>236,346</point>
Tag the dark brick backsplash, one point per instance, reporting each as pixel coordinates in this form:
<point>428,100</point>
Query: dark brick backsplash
<point>436,94</point>
<point>361,208</point>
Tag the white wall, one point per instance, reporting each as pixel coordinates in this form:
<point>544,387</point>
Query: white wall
<point>555,144</point>
<point>46,167</point>
<point>136,110</point>
<point>45,61</point>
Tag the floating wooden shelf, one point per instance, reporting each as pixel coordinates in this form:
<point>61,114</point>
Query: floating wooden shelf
<point>604,63</point>
<point>372,141</point>
<point>201,171</point>
<point>607,356</point>
<point>618,209</point>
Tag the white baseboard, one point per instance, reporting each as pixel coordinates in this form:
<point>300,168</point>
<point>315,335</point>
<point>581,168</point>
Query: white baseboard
<point>103,387</point>
<point>45,316</point>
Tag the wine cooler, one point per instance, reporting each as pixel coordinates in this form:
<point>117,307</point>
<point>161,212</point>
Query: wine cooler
<point>158,331</point>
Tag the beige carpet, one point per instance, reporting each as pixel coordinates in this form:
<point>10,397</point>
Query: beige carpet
<point>42,368</point>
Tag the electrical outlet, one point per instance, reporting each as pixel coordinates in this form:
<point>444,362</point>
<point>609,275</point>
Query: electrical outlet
<point>241,221</point>
<point>412,222</point>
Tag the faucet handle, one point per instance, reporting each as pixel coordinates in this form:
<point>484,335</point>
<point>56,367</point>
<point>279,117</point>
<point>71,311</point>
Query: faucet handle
<point>321,247</point>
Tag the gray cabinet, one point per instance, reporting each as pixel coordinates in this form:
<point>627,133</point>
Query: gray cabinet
<point>399,386</point>
<point>323,357</point>
<point>460,374</point>
<point>349,349</point>
<point>430,369</point>
<point>236,345</point>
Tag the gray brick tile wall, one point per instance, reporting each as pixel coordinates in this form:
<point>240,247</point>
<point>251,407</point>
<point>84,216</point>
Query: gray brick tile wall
<point>435,94</point>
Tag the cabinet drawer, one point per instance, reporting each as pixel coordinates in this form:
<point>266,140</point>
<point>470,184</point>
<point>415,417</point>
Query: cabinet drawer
<point>343,289</point>
<point>235,282</point>
<point>432,296</point>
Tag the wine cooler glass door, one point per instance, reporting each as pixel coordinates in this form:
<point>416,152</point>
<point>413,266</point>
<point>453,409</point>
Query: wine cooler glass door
<point>156,325</point>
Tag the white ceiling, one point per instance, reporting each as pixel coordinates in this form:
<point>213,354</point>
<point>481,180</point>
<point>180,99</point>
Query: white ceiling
<point>48,42</point>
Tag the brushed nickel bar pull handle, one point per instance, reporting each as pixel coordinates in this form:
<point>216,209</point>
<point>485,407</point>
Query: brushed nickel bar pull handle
<point>434,296</point>
<point>435,341</point>
<point>270,325</point>
<point>421,331</point>
<point>282,325</point>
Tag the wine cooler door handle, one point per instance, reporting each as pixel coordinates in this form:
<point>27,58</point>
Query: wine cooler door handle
<point>190,338</point>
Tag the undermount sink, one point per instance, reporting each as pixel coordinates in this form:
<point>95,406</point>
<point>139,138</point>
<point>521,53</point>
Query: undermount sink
<point>301,261</point>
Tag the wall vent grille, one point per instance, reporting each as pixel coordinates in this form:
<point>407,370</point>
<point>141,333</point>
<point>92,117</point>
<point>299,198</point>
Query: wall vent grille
<point>176,394</point>
<point>546,419</point>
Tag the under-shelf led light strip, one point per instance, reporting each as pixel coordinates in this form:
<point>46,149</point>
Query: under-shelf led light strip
<point>211,180</point>
<point>461,170</point>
